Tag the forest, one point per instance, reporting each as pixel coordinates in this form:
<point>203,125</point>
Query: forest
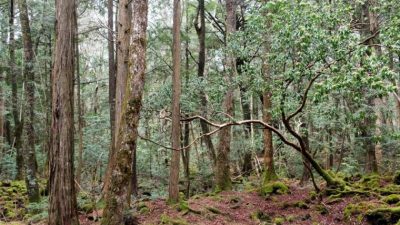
<point>209,112</point>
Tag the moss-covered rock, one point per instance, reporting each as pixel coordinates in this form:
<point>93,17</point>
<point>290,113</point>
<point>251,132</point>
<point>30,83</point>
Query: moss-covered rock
<point>392,199</point>
<point>383,216</point>
<point>279,220</point>
<point>260,216</point>
<point>396,178</point>
<point>357,209</point>
<point>164,219</point>
<point>274,188</point>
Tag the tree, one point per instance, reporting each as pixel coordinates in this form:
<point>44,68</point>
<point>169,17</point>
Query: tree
<point>269,168</point>
<point>222,176</point>
<point>176,93</point>
<point>123,28</point>
<point>18,124</point>
<point>118,194</point>
<point>30,156</point>
<point>62,200</point>
<point>111,68</point>
<point>201,34</point>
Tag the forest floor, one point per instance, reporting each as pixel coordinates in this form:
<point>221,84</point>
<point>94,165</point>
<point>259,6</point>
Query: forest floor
<point>298,205</point>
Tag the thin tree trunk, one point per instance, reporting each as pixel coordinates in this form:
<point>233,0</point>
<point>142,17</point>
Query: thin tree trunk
<point>201,34</point>
<point>18,124</point>
<point>176,93</point>
<point>111,70</point>
<point>118,196</point>
<point>79,107</point>
<point>269,170</point>
<point>62,201</point>
<point>223,180</point>
<point>30,156</point>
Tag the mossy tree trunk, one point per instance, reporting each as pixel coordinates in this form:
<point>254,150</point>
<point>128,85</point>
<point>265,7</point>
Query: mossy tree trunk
<point>18,122</point>
<point>123,28</point>
<point>29,77</point>
<point>269,168</point>
<point>119,191</point>
<point>222,173</point>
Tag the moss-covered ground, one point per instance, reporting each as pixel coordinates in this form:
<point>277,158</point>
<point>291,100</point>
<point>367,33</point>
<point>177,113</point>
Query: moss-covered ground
<point>368,199</point>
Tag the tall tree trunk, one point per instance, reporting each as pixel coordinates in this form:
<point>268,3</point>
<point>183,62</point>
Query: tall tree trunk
<point>222,176</point>
<point>269,170</point>
<point>124,33</point>
<point>62,199</point>
<point>79,107</point>
<point>176,94</point>
<point>111,70</point>
<point>368,127</point>
<point>30,156</point>
<point>118,196</point>
<point>201,34</point>
<point>18,124</point>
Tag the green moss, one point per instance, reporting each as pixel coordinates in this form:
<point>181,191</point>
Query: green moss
<point>290,218</point>
<point>392,199</point>
<point>260,216</point>
<point>274,188</point>
<point>164,219</point>
<point>396,178</point>
<point>383,215</point>
<point>357,209</point>
<point>313,195</point>
<point>301,205</point>
<point>213,210</point>
<point>269,176</point>
<point>142,208</point>
<point>321,209</point>
<point>279,220</point>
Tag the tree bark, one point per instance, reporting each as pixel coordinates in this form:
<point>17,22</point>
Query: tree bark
<point>176,94</point>
<point>124,33</point>
<point>269,170</point>
<point>201,34</point>
<point>111,70</point>
<point>79,107</point>
<point>222,176</point>
<point>62,201</point>
<point>118,195</point>
<point>18,124</point>
<point>29,77</point>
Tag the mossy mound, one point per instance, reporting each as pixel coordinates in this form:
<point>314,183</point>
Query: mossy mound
<point>164,219</point>
<point>383,216</point>
<point>274,188</point>
<point>396,178</point>
<point>260,216</point>
<point>279,220</point>
<point>13,199</point>
<point>358,209</point>
<point>392,199</point>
